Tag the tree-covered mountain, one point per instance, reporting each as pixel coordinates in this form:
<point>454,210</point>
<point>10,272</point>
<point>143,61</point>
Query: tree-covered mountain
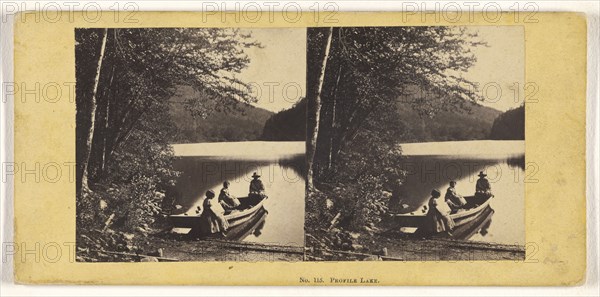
<point>242,123</point>
<point>473,122</point>
<point>287,125</point>
<point>509,125</point>
<point>246,123</point>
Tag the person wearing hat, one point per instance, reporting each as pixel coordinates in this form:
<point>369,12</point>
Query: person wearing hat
<point>438,218</point>
<point>257,188</point>
<point>483,189</point>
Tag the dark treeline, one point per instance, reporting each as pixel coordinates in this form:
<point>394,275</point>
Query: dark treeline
<point>354,79</point>
<point>243,124</point>
<point>124,80</point>
<point>474,122</point>
<point>510,125</point>
<point>287,125</point>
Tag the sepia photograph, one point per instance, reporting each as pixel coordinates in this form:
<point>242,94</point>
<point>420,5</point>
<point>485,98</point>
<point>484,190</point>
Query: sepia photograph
<point>190,144</point>
<point>240,146</point>
<point>416,143</point>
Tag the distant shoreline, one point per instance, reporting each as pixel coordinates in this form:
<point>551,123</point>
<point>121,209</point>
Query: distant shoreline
<point>255,149</point>
<point>468,147</point>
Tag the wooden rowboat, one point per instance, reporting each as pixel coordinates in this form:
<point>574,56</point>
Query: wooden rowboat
<point>466,230</point>
<point>245,212</point>
<point>461,217</point>
<point>252,226</point>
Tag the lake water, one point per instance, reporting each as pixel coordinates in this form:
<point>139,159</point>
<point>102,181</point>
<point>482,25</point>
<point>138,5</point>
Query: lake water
<point>428,165</point>
<point>432,166</point>
<point>205,166</point>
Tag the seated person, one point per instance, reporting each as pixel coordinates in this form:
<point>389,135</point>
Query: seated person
<point>228,201</point>
<point>438,217</point>
<point>454,200</point>
<point>257,189</point>
<point>483,189</point>
<point>212,218</point>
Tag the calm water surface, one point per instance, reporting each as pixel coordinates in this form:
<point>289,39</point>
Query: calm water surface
<point>506,173</point>
<point>283,177</point>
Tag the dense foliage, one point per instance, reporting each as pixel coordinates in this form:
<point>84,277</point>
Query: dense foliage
<point>367,69</point>
<point>125,78</point>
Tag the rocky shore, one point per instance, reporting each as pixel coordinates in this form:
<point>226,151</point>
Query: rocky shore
<point>389,246</point>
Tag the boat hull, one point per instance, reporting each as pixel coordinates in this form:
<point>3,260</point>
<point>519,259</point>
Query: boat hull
<point>460,218</point>
<point>234,218</point>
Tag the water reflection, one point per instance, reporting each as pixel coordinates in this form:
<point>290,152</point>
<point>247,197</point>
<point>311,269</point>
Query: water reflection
<point>479,226</point>
<point>516,162</point>
<point>505,173</point>
<point>297,164</point>
<point>281,221</point>
<point>252,227</point>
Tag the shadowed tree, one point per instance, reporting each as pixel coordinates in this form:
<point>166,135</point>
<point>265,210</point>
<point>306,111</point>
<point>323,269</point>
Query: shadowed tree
<point>140,71</point>
<point>125,78</point>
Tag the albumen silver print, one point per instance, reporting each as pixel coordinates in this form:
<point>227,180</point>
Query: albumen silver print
<point>416,144</point>
<point>190,144</point>
<point>378,149</point>
<point>415,151</point>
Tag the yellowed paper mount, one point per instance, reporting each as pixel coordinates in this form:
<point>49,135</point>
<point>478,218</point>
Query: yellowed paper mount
<point>532,233</point>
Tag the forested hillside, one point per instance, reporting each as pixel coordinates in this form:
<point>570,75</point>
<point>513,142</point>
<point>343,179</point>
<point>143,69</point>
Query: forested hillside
<point>287,125</point>
<point>474,122</point>
<point>510,125</point>
<point>242,123</point>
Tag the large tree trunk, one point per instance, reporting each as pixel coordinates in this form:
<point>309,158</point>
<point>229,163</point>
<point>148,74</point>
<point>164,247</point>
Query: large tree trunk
<point>92,112</point>
<point>312,147</point>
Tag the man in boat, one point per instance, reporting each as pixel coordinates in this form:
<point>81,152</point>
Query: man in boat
<point>483,189</point>
<point>257,188</point>
<point>227,200</point>
<point>454,200</point>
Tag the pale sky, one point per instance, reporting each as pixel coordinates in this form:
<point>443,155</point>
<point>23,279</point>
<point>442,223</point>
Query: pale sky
<point>500,65</point>
<point>279,68</point>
